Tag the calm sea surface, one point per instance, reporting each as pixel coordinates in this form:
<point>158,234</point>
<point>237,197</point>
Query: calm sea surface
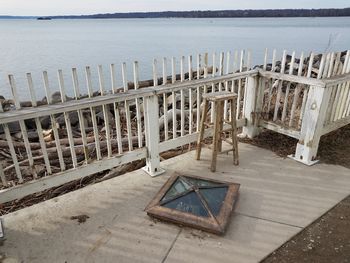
<point>34,46</point>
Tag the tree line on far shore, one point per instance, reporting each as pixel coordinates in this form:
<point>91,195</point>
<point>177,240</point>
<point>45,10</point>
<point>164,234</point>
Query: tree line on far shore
<point>222,14</point>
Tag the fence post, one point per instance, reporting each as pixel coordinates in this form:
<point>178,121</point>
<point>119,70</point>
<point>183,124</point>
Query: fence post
<point>312,125</point>
<point>252,106</point>
<point>152,136</point>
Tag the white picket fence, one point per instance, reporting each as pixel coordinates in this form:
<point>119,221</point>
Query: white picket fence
<point>142,119</point>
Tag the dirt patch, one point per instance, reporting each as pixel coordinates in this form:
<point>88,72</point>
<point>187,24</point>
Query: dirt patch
<point>334,147</point>
<point>80,218</point>
<point>327,240</point>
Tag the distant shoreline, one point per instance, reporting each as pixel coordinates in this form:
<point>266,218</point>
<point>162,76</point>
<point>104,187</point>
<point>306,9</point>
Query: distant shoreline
<point>266,13</point>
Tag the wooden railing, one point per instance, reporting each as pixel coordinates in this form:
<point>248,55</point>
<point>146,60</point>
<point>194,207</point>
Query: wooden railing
<point>115,125</point>
<point>306,102</point>
<point>109,127</point>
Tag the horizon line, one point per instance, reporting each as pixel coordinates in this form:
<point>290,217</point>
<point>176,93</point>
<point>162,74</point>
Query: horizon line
<point>173,11</point>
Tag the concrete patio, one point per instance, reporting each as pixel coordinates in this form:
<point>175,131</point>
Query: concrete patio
<point>278,198</point>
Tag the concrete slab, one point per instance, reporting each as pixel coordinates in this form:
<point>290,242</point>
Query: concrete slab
<point>281,190</point>
<point>246,240</point>
<point>278,198</point>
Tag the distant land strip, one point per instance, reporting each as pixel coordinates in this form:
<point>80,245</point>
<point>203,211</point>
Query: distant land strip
<point>329,12</point>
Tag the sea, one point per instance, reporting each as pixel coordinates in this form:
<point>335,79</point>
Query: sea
<point>32,46</point>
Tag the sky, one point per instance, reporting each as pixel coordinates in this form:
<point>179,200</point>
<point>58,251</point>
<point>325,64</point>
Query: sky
<point>66,7</point>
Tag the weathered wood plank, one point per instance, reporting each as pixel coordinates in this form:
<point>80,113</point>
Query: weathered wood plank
<point>126,102</point>
<point>105,110</point>
<point>292,78</point>
<point>274,127</point>
<point>80,112</point>
<point>92,111</point>
<point>165,101</point>
<point>30,113</point>
<point>138,102</point>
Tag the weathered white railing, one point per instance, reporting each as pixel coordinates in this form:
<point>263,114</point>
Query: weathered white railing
<point>305,102</point>
<point>141,119</point>
<point>114,125</point>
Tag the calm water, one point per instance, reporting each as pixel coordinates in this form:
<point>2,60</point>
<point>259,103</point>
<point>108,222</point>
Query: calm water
<point>33,46</point>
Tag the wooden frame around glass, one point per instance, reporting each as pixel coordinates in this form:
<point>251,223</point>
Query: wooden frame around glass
<point>214,224</point>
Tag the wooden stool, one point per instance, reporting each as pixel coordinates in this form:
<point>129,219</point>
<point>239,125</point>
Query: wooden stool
<point>218,99</point>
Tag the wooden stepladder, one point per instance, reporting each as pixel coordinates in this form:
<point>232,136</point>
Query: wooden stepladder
<point>218,99</point>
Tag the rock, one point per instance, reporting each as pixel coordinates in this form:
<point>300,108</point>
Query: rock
<point>45,122</point>
<point>13,127</point>
<point>56,98</point>
<point>101,118</point>
<point>30,124</point>
<point>33,136</point>
<point>87,119</point>
<point>73,117</point>
<point>44,100</point>
<point>18,135</point>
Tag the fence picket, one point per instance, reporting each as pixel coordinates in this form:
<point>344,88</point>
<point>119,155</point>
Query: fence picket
<point>199,57</point>
<point>54,124</point>
<point>333,92</point>
<point>116,110</point>
<point>12,152</point>
<point>138,103</point>
<point>247,66</point>
<point>285,105</point>
<point>221,68</point>
<point>173,80</point>
<point>182,97</point>
<point>239,92</point>
<point>21,123</point>
<point>77,95</point>
<point>306,90</point>
<point>190,94</point>
<point>67,119</point>
<point>297,90</point>
<point>213,87</point>
<point>273,65</point>
<point>93,113</point>
<point>234,88</point>
<point>279,90</point>
<point>127,106</point>
<point>165,100</point>
<point>105,110</point>
<point>228,57</point>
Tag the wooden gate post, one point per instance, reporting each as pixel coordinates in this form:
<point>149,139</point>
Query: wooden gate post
<point>312,125</point>
<point>152,136</point>
<point>252,106</point>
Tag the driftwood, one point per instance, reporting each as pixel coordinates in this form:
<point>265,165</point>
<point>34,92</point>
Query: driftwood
<point>169,115</point>
<point>79,149</point>
<point>36,146</point>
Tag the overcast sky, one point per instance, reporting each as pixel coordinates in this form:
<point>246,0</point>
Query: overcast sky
<point>60,7</point>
